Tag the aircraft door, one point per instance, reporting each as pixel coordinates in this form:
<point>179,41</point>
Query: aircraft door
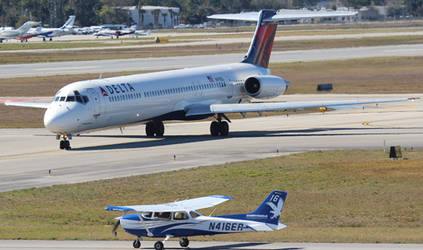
<point>95,102</point>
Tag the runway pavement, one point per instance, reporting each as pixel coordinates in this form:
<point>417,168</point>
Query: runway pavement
<point>27,155</point>
<point>160,63</point>
<point>95,245</point>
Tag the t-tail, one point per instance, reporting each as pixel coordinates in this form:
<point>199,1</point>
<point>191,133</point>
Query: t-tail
<point>262,43</point>
<point>69,23</point>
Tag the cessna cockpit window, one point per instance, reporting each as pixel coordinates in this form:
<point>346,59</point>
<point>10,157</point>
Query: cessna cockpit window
<point>147,214</point>
<point>163,215</point>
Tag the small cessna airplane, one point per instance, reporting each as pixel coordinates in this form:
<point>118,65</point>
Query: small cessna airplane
<point>19,33</point>
<point>179,219</point>
<point>66,29</point>
<point>184,94</point>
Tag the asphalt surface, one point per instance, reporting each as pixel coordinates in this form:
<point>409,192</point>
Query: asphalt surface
<point>27,155</point>
<point>95,245</point>
<point>157,63</point>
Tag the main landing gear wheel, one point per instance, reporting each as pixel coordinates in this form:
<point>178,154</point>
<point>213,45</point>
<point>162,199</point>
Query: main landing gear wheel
<point>183,242</point>
<point>158,245</point>
<point>137,243</point>
<point>219,128</point>
<point>154,128</point>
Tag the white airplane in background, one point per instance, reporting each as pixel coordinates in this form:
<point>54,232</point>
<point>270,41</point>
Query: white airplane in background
<point>179,219</point>
<point>122,32</point>
<point>184,94</point>
<point>19,33</point>
<point>66,29</point>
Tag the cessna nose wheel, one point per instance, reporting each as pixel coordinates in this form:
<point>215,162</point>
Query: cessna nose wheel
<point>137,243</point>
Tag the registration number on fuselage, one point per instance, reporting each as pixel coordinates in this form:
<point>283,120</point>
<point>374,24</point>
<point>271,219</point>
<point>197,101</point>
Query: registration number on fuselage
<point>226,226</point>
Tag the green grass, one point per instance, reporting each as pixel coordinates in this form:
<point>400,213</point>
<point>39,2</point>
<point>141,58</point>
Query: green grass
<point>334,196</point>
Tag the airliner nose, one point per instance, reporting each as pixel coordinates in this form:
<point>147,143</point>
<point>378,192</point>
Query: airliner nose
<point>54,123</point>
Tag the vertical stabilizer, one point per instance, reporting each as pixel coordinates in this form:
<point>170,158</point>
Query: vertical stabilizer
<point>69,23</point>
<point>261,45</point>
<point>270,210</point>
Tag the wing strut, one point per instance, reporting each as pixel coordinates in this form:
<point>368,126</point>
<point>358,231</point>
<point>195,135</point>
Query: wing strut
<point>143,223</point>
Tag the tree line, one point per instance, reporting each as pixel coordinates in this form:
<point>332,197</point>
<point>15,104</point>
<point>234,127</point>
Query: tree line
<point>92,12</point>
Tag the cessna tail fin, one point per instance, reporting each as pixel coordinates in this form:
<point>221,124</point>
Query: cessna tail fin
<point>270,210</point>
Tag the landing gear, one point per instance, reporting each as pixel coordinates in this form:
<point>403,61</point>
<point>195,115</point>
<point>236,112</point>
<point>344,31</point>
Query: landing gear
<point>158,245</point>
<point>137,243</point>
<point>154,128</point>
<point>44,39</point>
<point>183,242</point>
<point>219,127</point>
<point>64,141</point>
<point>51,39</point>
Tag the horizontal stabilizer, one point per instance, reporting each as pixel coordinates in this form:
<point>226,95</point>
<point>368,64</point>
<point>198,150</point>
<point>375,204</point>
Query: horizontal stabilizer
<point>283,15</point>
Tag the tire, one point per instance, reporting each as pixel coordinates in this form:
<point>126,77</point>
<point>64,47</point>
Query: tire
<point>62,145</point>
<point>136,244</point>
<point>67,145</point>
<point>159,128</point>
<point>149,129</point>
<point>224,128</point>
<point>183,242</point>
<point>158,245</point>
<point>214,128</point>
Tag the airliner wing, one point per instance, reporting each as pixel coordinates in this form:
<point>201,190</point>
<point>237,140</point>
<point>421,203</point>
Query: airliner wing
<point>40,105</point>
<point>258,107</point>
<point>186,205</point>
<point>284,14</point>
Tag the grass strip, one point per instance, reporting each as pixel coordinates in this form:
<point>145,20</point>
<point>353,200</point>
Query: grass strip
<point>333,196</point>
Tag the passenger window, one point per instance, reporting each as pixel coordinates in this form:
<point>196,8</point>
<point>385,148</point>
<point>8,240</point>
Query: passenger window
<point>180,216</point>
<point>194,214</point>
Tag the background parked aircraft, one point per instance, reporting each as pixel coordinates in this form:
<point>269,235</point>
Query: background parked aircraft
<point>17,33</point>
<point>66,29</point>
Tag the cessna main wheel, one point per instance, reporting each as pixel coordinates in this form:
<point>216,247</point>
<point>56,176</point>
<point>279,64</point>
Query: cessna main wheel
<point>184,242</point>
<point>158,245</point>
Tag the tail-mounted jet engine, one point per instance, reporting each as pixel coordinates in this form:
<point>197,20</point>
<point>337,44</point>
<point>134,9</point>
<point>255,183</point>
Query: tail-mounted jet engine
<point>265,87</point>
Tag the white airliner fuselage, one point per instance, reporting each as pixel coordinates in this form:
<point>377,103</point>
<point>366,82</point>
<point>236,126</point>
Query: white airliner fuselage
<point>185,94</point>
<point>143,97</point>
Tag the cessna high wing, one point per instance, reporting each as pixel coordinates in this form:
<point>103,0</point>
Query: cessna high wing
<point>66,29</point>
<point>184,94</point>
<point>17,33</point>
<point>179,219</point>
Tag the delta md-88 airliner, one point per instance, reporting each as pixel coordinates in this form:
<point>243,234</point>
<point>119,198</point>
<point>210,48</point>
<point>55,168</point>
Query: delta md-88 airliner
<point>184,94</point>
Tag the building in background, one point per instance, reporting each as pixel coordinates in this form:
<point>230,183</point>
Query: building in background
<point>154,17</point>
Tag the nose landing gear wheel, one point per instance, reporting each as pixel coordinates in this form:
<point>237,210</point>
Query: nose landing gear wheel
<point>65,144</point>
<point>136,244</point>
<point>183,242</point>
<point>158,245</point>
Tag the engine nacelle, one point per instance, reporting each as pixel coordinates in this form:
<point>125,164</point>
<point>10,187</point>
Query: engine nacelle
<point>264,87</point>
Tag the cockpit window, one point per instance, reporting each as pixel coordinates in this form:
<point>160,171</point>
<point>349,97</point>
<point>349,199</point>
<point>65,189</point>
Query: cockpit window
<point>57,99</point>
<point>62,98</point>
<point>147,214</point>
<point>78,98</point>
<point>85,98</point>
<point>70,98</point>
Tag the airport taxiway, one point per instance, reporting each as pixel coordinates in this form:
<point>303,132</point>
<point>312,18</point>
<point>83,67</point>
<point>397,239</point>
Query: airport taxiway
<point>200,245</point>
<point>27,155</point>
<point>175,62</point>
